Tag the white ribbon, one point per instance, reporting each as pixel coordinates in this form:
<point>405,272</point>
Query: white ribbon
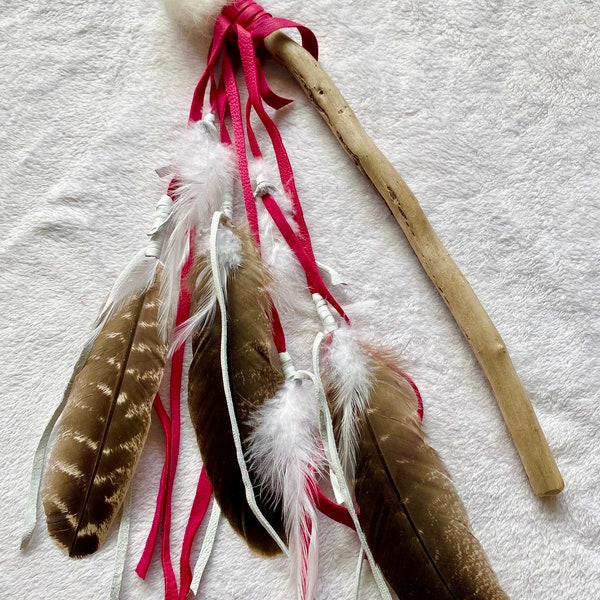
<point>36,477</point>
<point>207,546</point>
<point>358,573</point>
<point>121,552</point>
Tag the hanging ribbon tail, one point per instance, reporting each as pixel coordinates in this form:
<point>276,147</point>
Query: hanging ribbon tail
<point>121,553</point>
<point>144,562</point>
<point>175,392</point>
<point>207,546</point>
<point>197,514</point>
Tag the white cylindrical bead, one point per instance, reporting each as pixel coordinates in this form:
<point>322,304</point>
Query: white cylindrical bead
<point>263,187</point>
<point>327,318</point>
<point>156,234</point>
<point>287,365</point>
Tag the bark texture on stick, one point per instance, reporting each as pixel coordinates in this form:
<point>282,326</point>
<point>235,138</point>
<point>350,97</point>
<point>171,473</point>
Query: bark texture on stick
<point>464,305</point>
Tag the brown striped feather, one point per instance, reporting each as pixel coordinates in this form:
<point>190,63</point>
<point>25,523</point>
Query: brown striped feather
<point>413,519</point>
<point>255,376</point>
<point>104,426</point>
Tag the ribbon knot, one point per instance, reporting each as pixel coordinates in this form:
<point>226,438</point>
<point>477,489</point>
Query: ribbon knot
<point>246,14</point>
<point>253,18</point>
<point>239,21</point>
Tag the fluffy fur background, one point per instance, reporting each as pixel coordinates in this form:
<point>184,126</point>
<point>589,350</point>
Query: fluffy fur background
<point>490,112</point>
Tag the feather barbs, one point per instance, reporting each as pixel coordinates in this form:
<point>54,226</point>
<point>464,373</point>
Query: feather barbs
<point>104,425</point>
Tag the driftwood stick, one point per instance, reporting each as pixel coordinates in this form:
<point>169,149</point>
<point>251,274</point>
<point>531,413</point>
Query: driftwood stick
<point>464,305</point>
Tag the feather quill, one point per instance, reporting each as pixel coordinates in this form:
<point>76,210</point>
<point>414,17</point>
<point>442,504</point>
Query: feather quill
<point>255,376</point>
<point>413,520</point>
<point>105,422</point>
<point>284,452</point>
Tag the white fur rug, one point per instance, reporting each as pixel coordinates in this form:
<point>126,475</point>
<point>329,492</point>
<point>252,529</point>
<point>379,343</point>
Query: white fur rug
<point>488,109</point>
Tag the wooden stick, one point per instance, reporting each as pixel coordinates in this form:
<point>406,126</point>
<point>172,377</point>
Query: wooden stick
<point>472,319</point>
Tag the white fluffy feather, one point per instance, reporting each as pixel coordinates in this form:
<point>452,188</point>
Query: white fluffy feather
<point>229,258</point>
<point>289,289</point>
<point>284,451</point>
<point>205,171</point>
<point>350,375</point>
<point>195,16</point>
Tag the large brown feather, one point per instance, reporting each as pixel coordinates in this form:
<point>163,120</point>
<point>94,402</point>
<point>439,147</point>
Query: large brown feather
<point>104,426</point>
<point>255,377</point>
<point>414,521</point>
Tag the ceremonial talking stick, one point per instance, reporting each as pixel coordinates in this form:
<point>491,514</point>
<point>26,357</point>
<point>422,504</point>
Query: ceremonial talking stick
<point>268,433</point>
<point>471,317</point>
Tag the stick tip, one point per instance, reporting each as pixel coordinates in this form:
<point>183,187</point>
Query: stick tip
<point>547,483</point>
<point>553,490</point>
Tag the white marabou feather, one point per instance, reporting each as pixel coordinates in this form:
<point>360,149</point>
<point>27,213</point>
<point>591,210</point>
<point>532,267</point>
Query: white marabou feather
<point>195,16</point>
<point>205,170</point>
<point>350,375</point>
<point>284,452</point>
<point>229,258</point>
<point>289,289</point>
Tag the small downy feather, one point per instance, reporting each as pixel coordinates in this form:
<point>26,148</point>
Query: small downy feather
<point>229,248</point>
<point>284,452</point>
<point>254,377</point>
<point>288,289</point>
<point>204,170</point>
<point>414,522</point>
<point>349,380</point>
<point>105,422</point>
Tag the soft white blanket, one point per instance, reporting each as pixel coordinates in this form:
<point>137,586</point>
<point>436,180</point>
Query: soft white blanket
<point>488,109</point>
